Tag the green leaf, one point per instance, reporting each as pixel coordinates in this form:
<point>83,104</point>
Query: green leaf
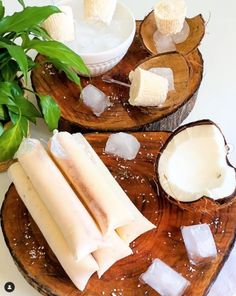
<point>19,55</point>
<point>9,72</point>
<point>10,141</point>
<point>40,32</point>
<point>24,122</point>
<point>25,126</point>
<point>9,90</point>
<point>3,113</point>
<point>2,10</point>
<point>60,52</point>
<point>51,111</point>
<point>22,3</point>
<point>70,73</point>
<point>24,107</point>
<point>26,19</point>
<point>1,129</point>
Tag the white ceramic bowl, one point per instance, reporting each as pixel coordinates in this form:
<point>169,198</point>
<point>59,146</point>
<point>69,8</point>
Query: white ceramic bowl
<point>101,62</point>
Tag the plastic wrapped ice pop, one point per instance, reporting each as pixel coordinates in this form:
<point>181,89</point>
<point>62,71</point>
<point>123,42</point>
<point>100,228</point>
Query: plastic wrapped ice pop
<point>116,250</point>
<point>103,200</point>
<point>78,271</point>
<point>140,224</point>
<point>77,226</point>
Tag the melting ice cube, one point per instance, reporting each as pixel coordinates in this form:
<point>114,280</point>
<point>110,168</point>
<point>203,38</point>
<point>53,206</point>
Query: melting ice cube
<point>182,35</point>
<point>122,145</point>
<point>163,43</point>
<point>166,73</point>
<point>95,99</point>
<point>164,280</point>
<point>199,242</point>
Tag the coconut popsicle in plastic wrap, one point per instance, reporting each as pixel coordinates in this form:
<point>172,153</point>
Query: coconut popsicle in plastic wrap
<point>82,154</point>
<point>77,226</point>
<point>78,271</point>
<point>116,250</point>
<point>100,196</point>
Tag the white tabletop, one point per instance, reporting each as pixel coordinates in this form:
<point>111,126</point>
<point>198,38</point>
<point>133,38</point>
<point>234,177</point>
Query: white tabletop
<point>216,101</point>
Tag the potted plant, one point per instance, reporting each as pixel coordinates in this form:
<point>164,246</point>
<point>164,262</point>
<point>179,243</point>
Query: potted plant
<point>19,34</point>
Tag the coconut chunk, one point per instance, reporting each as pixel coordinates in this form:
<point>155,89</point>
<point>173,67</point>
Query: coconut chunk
<point>199,243</point>
<point>193,164</point>
<point>166,73</point>
<point>164,280</point>
<point>95,99</point>
<point>163,43</point>
<point>123,145</point>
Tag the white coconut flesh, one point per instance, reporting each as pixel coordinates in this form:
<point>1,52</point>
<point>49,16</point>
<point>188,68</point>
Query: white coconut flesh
<point>194,165</point>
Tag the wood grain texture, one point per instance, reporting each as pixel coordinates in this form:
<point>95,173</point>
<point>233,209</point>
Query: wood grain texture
<point>122,116</point>
<point>42,270</point>
<point>197,31</point>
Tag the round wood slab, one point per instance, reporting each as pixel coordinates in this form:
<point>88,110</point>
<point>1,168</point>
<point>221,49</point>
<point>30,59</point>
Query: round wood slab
<point>41,269</point>
<point>122,116</point>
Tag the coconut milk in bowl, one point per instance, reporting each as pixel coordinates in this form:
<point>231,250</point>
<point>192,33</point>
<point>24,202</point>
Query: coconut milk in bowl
<point>101,46</point>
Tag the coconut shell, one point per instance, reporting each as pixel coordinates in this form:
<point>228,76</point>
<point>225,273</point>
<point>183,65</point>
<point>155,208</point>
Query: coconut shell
<point>205,204</point>
<point>197,31</point>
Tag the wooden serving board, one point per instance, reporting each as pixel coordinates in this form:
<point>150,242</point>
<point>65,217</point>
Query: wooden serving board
<point>41,269</point>
<point>122,116</point>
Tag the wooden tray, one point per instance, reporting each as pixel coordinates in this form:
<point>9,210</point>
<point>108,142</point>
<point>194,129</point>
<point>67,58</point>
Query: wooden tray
<point>122,116</point>
<point>42,270</point>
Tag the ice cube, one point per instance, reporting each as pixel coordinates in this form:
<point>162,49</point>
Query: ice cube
<point>164,280</point>
<point>95,99</point>
<point>199,242</point>
<point>182,35</point>
<point>163,43</point>
<point>166,73</point>
<point>122,145</point>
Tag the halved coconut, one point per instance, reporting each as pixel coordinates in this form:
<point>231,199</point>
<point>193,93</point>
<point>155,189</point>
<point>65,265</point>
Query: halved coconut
<point>193,165</point>
<point>197,31</point>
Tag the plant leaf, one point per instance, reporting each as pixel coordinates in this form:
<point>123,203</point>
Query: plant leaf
<point>9,90</point>
<point>40,32</point>
<point>60,52</point>
<point>19,55</point>
<point>50,110</point>
<point>1,129</point>
<point>9,72</point>
<point>70,73</point>
<point>22,3</point>
<point>24,107</point>
<point>2,10</point>
<point>10,141</point>
<point>3,113</point>
<point>26,19</point>
<point>24,122</point>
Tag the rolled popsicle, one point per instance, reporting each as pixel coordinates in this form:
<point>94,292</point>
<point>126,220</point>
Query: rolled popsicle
<point>108,256</point>
<point>60,26</point>
<point>170,16</point>
<point>100,10</point>
<point>147,89</point>
<point>101,198</point>
<point>78,271</point>
<point>140,224</point>
<point>77,226</point>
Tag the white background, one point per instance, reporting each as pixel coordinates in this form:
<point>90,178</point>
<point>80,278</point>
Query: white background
<point>216,101</point>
